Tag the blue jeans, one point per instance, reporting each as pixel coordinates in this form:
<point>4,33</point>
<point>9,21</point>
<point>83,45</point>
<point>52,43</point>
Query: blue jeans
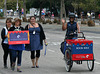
<point>17,54</point>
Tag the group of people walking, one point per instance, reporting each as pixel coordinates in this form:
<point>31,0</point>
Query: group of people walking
<point>37,36</point>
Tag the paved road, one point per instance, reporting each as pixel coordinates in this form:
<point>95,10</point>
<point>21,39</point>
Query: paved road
<point>53,62</point>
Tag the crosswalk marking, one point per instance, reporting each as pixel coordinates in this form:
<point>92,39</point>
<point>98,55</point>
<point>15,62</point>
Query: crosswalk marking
<point>51,50</point>
<point>97,63</point>
<point>54,43</point>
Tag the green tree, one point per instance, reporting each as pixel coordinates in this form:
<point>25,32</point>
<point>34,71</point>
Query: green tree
<point>11,4</point>
<point>1,4</point>
<point>87,5</point>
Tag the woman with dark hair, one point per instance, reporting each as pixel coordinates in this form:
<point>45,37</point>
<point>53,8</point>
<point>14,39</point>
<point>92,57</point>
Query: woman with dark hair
<point>36,40</point>
<point>16,49</point>
<point>4,43</point>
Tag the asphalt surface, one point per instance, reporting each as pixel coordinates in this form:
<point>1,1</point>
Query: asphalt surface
<point>53,62</point>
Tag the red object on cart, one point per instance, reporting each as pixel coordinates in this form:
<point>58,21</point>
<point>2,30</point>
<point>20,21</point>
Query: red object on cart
<point>81,49</point>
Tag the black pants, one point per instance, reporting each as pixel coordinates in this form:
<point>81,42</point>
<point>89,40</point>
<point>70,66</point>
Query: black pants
<point>33,54</point>
<point>6,52</point>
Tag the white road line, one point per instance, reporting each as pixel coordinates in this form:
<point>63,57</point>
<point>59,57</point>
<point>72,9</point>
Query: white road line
<point>97,63</point>
<point>47,38</point>
<point>92,37</point>
<point>96,43</point>
<point>51,50</point>
<point>54,43</point>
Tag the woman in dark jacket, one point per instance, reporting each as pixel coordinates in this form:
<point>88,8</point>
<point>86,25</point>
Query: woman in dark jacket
<point>4,43</point>
<point>17,49</point>
<point>36,40</point>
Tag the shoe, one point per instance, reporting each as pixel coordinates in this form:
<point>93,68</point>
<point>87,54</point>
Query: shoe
<point>5,67</point>
<point>37,66</point>
<point>33,67</point>
<point>68,63</point>
<point>13,67</point>
<point>18,70</point>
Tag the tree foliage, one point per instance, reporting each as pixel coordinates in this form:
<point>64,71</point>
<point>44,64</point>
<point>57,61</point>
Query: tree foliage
<point>1,4</point>
<point>87,5</point>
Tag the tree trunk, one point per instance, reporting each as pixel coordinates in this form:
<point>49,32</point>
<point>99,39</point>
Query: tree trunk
<point>24,5</point>
<point>50,8</point>
<point>40,12</point>
<point>5,9</point>
<point>62,11</point>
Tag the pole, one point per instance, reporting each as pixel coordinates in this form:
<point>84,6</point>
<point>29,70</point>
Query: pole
<point>24,4</point>
<point>5,9</point>
<point>17,7</point>
<point>61,12</point>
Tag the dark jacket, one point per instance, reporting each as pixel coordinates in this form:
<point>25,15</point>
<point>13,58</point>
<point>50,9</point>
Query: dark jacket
<point>42,35</point>
<point>13,28</point>
<point>3,35</point>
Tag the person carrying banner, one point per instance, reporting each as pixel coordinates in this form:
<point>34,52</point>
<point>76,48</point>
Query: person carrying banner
<point>17,49</point>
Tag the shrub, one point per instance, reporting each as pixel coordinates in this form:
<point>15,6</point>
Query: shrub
<point>2,17</point>
<point>50,22</point>
<point>55,21</point>
<point>43,22</point>
<point>83,22</point>
<point>47,21</point>
<point>1,14</point>
<point>58,22</point>
<point>24,19</point>
<point>91,23</point>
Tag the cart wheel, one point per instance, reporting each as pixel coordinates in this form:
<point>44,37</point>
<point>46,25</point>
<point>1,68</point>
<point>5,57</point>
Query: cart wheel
<point>68,60</point>
<point>90,65</point>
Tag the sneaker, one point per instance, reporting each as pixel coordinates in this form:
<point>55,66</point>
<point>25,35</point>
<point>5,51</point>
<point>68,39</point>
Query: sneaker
<point>33,67</point>
<point>37,66</point>
<point>18,70</point>
<point>5,67</point>
<point>13,67</point>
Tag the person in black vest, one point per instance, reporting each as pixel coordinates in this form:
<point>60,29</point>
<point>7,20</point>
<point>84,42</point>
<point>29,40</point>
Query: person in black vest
<point>4,43</point>
<point>71,26</point>
<point>36,40</point>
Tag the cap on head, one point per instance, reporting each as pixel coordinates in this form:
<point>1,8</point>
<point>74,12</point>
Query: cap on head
<point>72,15</point>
